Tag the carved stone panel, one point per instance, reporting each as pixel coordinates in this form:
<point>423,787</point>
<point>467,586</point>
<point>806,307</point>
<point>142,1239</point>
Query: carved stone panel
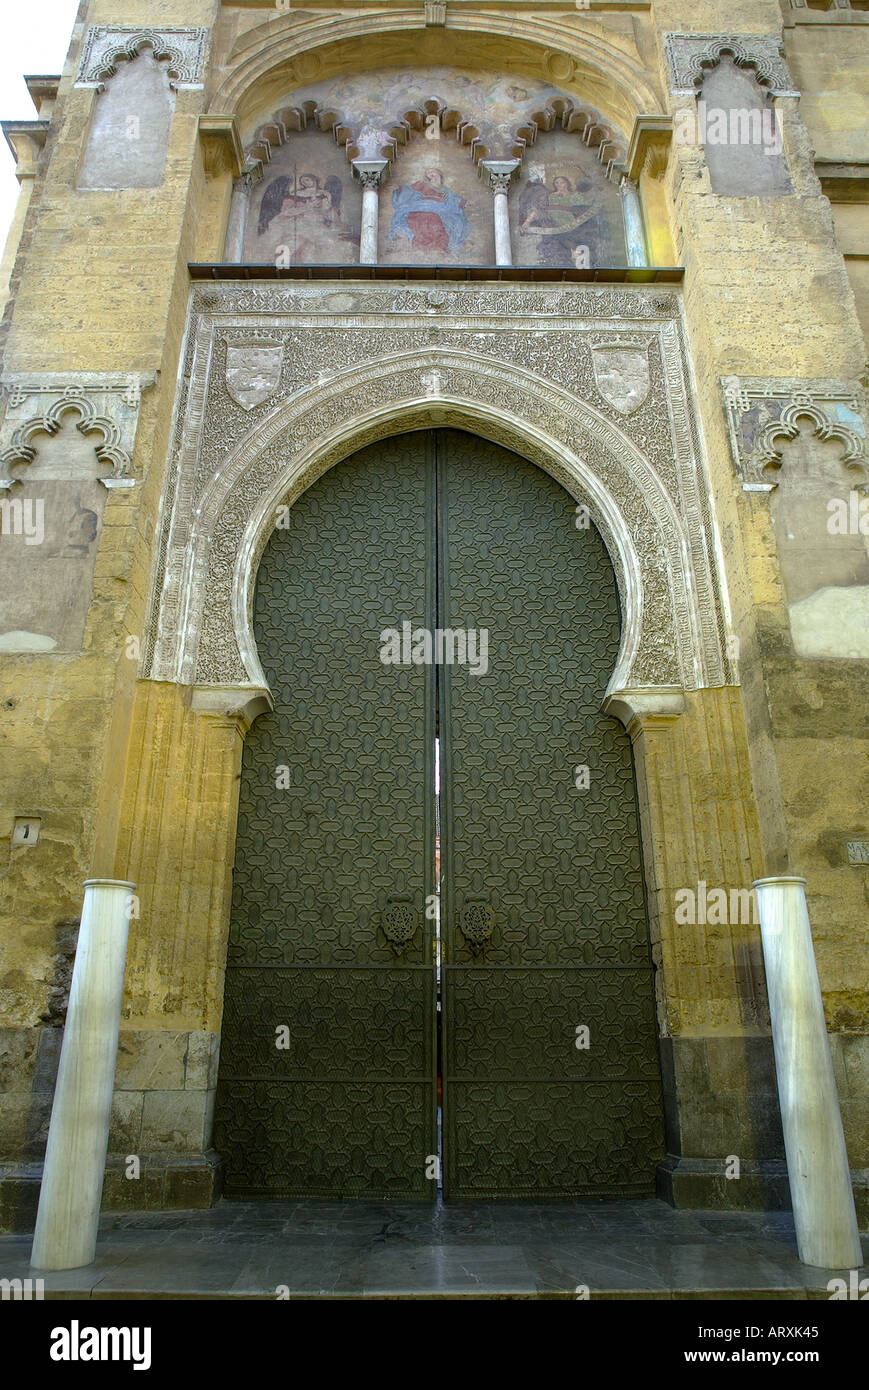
<point>588,383</point>
<point>253,371</point>
<point>50,524</point>
<point>105,47</point>
<point>763,411</point>
<point>128,138</point>
<point>105,409</point>
<point>690,55</point>
<point>803,442</point>
<point>62,444</point>
<point>622,376</point>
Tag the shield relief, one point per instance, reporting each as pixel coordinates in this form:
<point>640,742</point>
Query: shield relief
<point>622,376</point>
<point>253,371</point>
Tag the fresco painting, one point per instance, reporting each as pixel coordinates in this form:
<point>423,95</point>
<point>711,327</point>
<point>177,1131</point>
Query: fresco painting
<point>307,210</point>
<point>434,210</point>
<point>565,212</point>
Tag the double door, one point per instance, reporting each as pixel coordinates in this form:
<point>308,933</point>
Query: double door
<point>438,974</point>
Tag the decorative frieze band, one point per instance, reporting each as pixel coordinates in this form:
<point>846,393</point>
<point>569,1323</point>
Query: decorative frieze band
<point>764,411</point>
<point>104,47</point>
<point>105,407</point>
<point>689,54</point>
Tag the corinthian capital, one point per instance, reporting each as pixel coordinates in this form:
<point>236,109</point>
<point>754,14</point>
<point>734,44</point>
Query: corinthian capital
<point>500,173</point>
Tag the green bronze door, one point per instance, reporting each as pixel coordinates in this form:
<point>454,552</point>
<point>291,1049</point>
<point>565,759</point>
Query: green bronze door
<point>327,1084</point>
<point>545,932</point>
<point>356,981</point>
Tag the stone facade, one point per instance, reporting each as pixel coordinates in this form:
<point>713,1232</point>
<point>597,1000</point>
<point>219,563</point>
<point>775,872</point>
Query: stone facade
<point>694,413</point>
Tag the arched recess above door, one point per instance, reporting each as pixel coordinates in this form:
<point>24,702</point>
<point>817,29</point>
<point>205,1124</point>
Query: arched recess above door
<point>600,402</point>
<point>299,48</point>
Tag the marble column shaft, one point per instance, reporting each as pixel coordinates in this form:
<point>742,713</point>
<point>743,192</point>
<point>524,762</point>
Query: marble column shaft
<point>238,209</point>
<point>635,237</point>
<point>78,1135</point>
<point>820,1180</point>
<point>500,172</point>
<point>370,172</point>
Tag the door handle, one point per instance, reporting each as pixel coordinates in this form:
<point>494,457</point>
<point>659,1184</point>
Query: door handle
<point>476,921</point>
<point>399,922</point>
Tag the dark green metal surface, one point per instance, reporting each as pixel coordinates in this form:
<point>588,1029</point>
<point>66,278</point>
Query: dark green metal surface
<point>552,871</point>
<point>349,1108</point>
<point>543,911</point>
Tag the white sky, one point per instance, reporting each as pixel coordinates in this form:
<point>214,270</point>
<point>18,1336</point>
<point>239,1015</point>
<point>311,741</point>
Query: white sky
<point>34,38</point>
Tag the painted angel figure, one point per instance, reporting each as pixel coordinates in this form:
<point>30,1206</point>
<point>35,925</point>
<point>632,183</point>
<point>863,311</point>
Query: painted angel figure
<point>560,216</point>
<point>305,213</point>
<point>289,196</point>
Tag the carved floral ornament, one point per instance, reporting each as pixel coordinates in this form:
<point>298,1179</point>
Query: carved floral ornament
<point>764,411</point>
<point>546,372</point>
<point>106,409</point>
<point>691,55</point>
<point>104,47</point>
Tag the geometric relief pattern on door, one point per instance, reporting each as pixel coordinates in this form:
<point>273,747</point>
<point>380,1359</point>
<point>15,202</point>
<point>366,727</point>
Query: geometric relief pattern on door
<point>553,1140</point>
<point>340,1023</point>
<point>348,1107</point>
<point>558,866</point>
<point>531,1017</point>
<point>336,1140</point>
<point>543,910</point>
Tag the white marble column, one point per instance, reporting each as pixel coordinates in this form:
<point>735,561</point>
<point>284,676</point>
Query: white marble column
<point>78,1136</point>
<point>500,172</point>
<point>238,209</point>
<point>370,173</point>
<point>820,1180</point>
<point>635,237</point>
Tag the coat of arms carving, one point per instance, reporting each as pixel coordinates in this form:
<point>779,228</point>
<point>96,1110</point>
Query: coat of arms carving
<point>622,376</point>
<point>253,371</point>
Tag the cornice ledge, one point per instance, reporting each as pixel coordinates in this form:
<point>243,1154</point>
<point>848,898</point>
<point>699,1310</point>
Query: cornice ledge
<point>242,702</point>
<point>220,137</point>
<point>651,136</point>
<point>642,706</point>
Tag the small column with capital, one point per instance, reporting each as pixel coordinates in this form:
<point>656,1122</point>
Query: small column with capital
<point>370,173</point>
<point>238,208</point>
<point>500,173</point>
<point>635,237</point>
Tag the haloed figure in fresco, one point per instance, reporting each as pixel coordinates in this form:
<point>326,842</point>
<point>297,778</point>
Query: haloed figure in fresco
<point>303,214</point>
<point>429,215</point>
<point>563,220</point>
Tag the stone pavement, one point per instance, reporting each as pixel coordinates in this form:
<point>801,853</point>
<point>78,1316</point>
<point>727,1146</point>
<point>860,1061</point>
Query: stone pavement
<point>245,1250</point>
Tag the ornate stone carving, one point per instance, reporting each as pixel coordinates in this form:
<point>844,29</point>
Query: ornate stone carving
<point>370,171</point>
<point>104,47</point>
<point>622,376</point>
<point>107,408</point>
<point>222,150</point>
<point>253,371</point>
<point>514,363</point>
<point>435,12</point>
<point>500,173</point>
<point>762,411</point>
<point>689,54</point>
